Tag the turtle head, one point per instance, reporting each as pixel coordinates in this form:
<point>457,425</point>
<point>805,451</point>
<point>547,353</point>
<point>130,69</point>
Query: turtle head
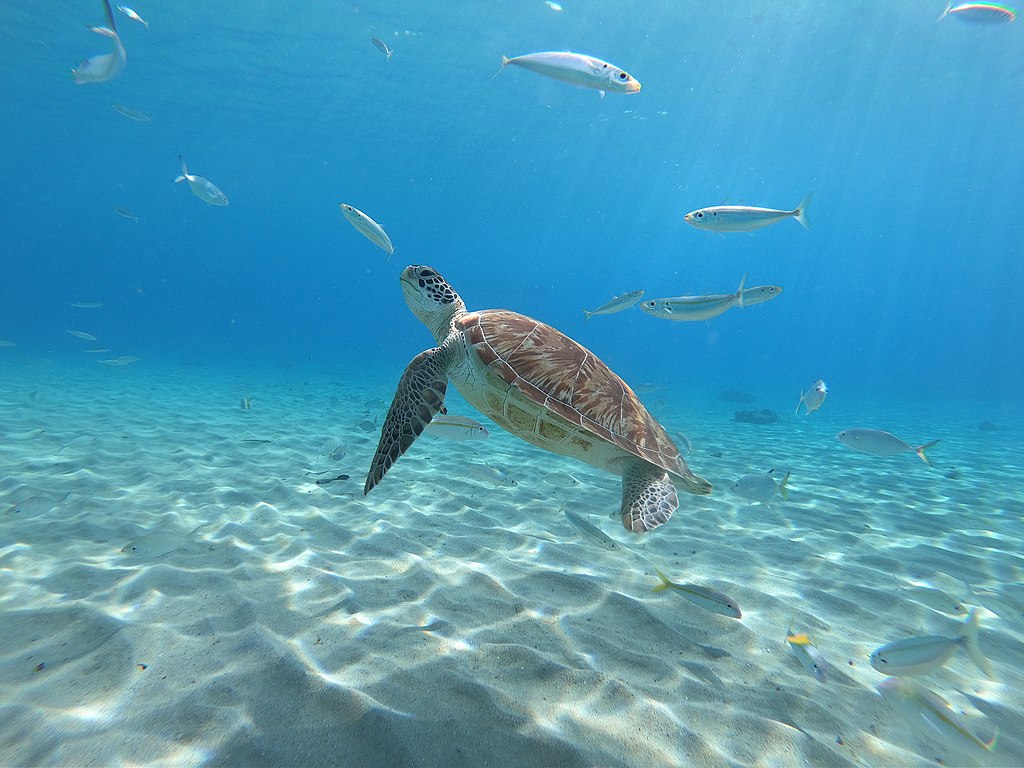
<point>431,299</point>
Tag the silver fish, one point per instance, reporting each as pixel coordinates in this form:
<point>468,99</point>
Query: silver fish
<point>809,656</point>
<point>705,597</point>
<point>689,308</point>
<point>85,304</point>
<point>616,304</point>
<point>758,294</point>
<point>82,335</point>
<point>591,530</point>
<point>879,443</point>
<point>813,398</point>
<point>576,69</point>
<point>921,655</point>
<point>6,343</point>
<point>124,213</point>
<point>919,706</point>
<point>760,487</point>
<point>133,15</point>
<point>202,188</point>
<point>368,228</point>
<point>382,47</point>
<point>453,427</point>
<point>980,13</point>
<point>744,218</point>
<point>107,66</point>
<point>488,474</point>
<point>159,543</point>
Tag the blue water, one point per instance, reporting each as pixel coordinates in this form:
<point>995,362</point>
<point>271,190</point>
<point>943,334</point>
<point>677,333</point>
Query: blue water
<point>526,193</point>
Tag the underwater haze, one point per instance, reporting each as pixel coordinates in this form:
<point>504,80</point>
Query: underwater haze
<point>167,363</point>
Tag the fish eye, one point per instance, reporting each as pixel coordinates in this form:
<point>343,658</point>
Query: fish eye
<point>623,76</point>
<point>700,214</point>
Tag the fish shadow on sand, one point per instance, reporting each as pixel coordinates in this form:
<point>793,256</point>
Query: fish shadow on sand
<point>762,416</point>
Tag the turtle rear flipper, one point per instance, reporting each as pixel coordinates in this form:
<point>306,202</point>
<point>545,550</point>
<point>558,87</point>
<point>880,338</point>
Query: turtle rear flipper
<point>648,496</point>
<point>419,397</point>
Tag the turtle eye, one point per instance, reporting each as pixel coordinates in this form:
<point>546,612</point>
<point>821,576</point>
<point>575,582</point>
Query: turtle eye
<point>426,272</point>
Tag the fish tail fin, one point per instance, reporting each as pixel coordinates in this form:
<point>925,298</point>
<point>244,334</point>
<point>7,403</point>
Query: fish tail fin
<point>739,291</point>
<point>991,743</point>
<point>601,93</point>
<point>504,63</point>
<point>949,7</point>
<point>180,178</point>
<point>110,17</point>
<point>970,637</point>
<point>801,211</point>
<point>782,487</point>
<point>663,582</point>
<point>184,169</point>
<point>586,315</point>
<point>799,404</point>
<point>922,448</point>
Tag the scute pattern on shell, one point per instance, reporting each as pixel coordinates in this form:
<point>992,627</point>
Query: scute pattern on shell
<point>557,373</point>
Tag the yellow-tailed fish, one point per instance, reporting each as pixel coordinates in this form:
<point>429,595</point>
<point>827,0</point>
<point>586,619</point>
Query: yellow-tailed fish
<point>744,218</point>
<point>921,655</point>
<point>919,706</point>
<point>202,188</point>
<point>809,656</point>
<point>813,398</point>
<point>107,66</point>
<point>704,597</point>
<point>368,228</point>
<point>879,443</point>
<point>616,304</point>
<point>454,427</point>
<point>591,530</point>
<point>576,69</point>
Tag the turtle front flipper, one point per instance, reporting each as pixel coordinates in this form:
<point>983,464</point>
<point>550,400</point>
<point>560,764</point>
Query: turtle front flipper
<point>420,395</point>
<point>648,496</point>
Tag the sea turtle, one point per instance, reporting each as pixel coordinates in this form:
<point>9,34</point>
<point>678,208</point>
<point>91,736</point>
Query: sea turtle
<point>541,386</point>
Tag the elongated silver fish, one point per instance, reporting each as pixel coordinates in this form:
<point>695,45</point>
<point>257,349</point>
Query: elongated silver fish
<point>921,655</point>
<point>591,530</point>
<point>813,398</point>
<point>202,188</point>
<point>131,114</point>
<point>744,218</point>
<point>368,228</point>
<point>576,69</point>
<point>705,597</point>
<point>809,656</point>
<point>133,15</point>
<point>107,66</point>
<point>919,707</point>
<point>690,308</point>
<point>616,304</point>
<point>382,47</point>
<point>879,443</point>
<point>453,427</point>
<point>980,13</point>
<point>82,335</point>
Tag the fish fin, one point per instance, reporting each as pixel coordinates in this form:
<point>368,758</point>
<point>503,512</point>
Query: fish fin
<point>387,56</point>
<point>799,404</point>
<point>739,291</point>
<point>663,582</point>
<point>949,7</point>
<point>180,178</point>
<point>970,636</point>
<point>504,63</point>
<point>922,448</point>
<point>801,211</point>
<point>184,168</point>
<point>602,94</point>
<point>782,487</point>
<point>586,315</point>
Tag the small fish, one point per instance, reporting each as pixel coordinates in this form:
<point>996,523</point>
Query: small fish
<point>202,188</point>
<point>133,15</point>
<point>456,428</point>
<point>576,69</point>
<point>813,398</point>
<point>591,530</point>
<point>879,443</point>
<point>85,304</point>
<point>246,404</point>
<point>82,335</point>
<point>692,308</point>
<point>553,6</point>
<point>744,218</point>
<point>683,443</point>
<point>159,543</point>
<point>921,655</point>
<point>810,657</point>
<point>936,599</point>
<point>705,597</point>
<point>326,480</point>
<point>96,350</point>
<point>758,295</point>
<point>107,66</point>
<point>488,474</point>
<point>915,703</point>
<point>6,343</point>
<point>565,480</point>
<point>616,304</point>
<point>118,361</point>
<point>760,487</point>
<point>131,114</point>
<point>382,47</point>
<point>368,228</point>
<point>126,214</point>
<point>333,450</point>
<point>980,13</point>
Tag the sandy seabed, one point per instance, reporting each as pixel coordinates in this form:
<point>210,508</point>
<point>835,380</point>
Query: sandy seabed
<point>177,589</point>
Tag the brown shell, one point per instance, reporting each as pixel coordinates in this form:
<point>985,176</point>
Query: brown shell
<point>567,378</point>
